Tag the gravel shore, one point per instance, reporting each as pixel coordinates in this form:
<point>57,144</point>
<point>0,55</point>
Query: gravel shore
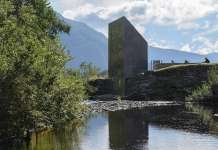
<point>115,105</point>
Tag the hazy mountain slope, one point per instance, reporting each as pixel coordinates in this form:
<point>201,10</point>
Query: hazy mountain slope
<point>166,55</point>
<point>85,44</point>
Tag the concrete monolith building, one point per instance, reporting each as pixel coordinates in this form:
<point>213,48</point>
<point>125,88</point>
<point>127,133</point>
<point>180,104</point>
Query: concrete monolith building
<point>128,54</point>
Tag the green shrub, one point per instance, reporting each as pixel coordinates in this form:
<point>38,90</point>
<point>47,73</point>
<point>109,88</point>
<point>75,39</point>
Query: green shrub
<point>205,90</point>
<point>35,88</point>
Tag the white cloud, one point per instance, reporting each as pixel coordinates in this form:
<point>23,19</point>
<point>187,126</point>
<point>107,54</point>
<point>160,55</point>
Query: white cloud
<point>206,25</point>
<point>81,11</point>
<point>188,26</point>
<point>211,30</point>
<point>206,45</point>
<point>140,29</point>
<point>186,48</point>
<point>204,51</point>
<point>181,13</point>
<point>71,4</point>
<point>160,44</point>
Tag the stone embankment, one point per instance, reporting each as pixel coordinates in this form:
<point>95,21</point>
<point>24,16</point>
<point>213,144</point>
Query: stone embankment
<point>115,105</point>
<point>169,84</point>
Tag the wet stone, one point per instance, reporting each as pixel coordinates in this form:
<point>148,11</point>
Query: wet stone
<point>99,106</point>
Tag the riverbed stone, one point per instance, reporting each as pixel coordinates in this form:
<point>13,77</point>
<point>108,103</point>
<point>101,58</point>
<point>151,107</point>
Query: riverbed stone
<point>111,106</point>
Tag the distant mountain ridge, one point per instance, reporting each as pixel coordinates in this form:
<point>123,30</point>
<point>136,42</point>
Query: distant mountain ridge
<point>86,44</point>
<point>167,55</point>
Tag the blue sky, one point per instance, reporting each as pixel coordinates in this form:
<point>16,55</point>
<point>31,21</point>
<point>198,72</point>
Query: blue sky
<point>188,25</point>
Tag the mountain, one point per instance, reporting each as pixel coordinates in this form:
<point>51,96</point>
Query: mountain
<point>166,55</point>
<point>86,44</point>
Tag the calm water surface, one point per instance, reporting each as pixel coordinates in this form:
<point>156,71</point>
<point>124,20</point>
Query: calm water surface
<point>163,128</point>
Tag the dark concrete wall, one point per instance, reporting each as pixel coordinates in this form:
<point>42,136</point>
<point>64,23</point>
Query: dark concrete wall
<point>127,129</point>
<point>127,53</point>
<point>100,87</point>
<point>135,51</point>
<point>116,55</point>
<point>127,50</point>
<point>170,84</point>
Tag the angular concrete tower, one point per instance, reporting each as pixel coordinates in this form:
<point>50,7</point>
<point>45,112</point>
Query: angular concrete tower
<point>128,54</point>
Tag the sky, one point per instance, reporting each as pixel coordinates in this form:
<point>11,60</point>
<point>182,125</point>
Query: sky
<point>188,25</point>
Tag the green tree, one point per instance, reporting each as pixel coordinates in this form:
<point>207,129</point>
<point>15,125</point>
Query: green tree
<point>35,90</point>
<point>206,60</point>
<point>186,62</point>
<point>89,71</point>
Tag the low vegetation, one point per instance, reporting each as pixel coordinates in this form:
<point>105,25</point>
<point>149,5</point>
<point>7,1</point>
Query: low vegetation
<point>205,91</point>
<point>184,66</point>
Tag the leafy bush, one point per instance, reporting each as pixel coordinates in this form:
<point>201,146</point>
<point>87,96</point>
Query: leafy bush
<point>205,90</point>
<point>186,62</point>
<point>35,88</point>
<point>206,60</point>
<point>89,71</point>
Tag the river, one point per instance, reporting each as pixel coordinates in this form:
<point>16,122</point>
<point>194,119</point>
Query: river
<point>155,128</point>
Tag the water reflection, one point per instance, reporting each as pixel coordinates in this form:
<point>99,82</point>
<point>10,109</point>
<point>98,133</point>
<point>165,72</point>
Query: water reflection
<point>207,115</point>
<point>162,128</point>
<point>128,130</point>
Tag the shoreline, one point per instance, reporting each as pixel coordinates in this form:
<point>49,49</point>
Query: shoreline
<point>94,106</point>
<point>115,105</point>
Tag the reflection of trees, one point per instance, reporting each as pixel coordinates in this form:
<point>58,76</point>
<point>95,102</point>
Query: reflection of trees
<point>66,138</point>
<point>206,115</point>
<point>127,130</point>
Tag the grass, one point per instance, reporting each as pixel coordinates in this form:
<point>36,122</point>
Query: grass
<point>183,66</point>
<point>205,90</point>
<point>200,93</point>
<point>186,69</point>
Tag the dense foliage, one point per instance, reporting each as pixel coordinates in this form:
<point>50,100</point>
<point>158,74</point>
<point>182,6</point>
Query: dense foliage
<point>35,88</point>
<point>205,91</point>
<point>88,71</point>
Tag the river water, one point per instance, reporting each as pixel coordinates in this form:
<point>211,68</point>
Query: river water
<point>155,128</point>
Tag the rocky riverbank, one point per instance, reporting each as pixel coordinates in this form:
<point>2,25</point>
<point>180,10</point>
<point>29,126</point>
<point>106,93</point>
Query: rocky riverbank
<point>172,84</point>
<point>116,105</point>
